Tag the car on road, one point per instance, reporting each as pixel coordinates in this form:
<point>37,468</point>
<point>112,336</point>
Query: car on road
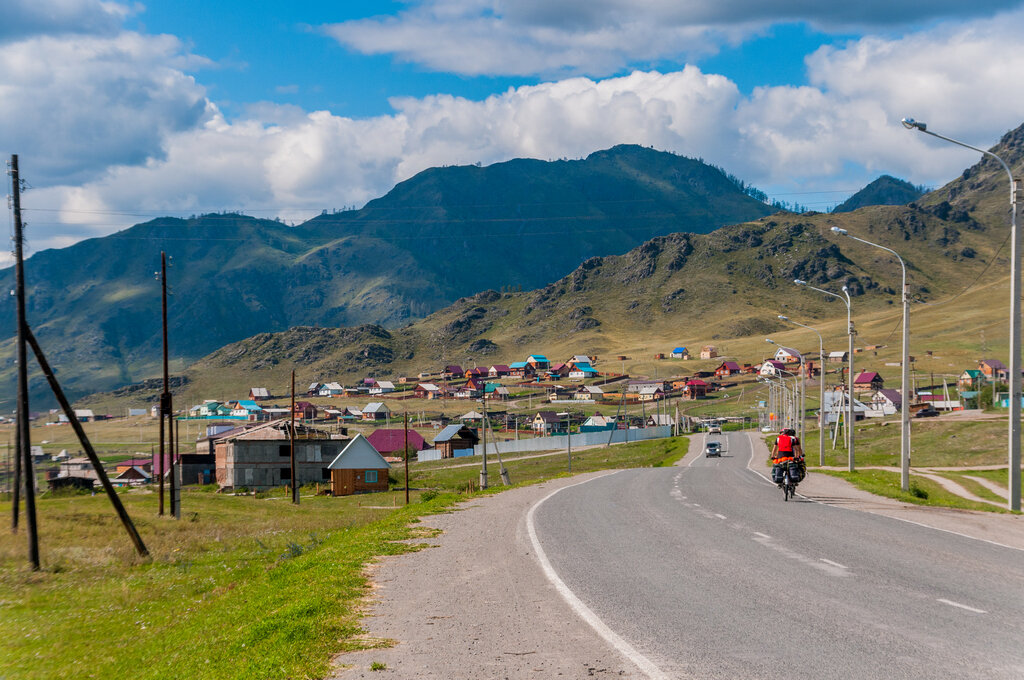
<point>926,413</point>
<point>715,429</point>
<point>713,449</point>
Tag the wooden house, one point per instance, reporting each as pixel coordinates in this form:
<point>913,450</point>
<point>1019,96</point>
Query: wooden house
<point>521,369</point>
<point>868,381</point>
<point>539,362</point>
<point>837,357</point>
<point>651,393</point>
<point>588,393</point>
<point>548,422</point>
<point>376,410</point>
<point>994,369</point>
<point>331,389</point>
<point>498,371</point>
<point>708,352</point>
<point>479,373</point>
<point>582,371</point>
<point>773,368</point>
<point>455,438</point>
<point>382,387</point>
<point>495,391</point>
<point>971,379</point>
<point>427,391</point>
<point>305,410</point>
<point>680,353</point>
<point>726,369</point>
<point>453,371</point>
<point>358,468</point>
<point>695,389</point>
<point>259,393</point>
<point>471,390</point>
<point>787,355</point>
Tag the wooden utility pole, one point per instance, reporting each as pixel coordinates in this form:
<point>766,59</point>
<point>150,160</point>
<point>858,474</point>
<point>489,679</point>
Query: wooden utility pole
<point>101,474</point>
<point>24,436</point>
<point>291,447</point>
<point>407,458</point>
<point>176,471</point>
<point>163,395</point>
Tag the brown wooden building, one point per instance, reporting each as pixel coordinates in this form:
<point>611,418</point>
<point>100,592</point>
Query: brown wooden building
<point>359,468</point>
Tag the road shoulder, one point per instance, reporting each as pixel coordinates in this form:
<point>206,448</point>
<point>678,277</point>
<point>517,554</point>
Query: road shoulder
<point>477,604</point>
<point>1007,530</point>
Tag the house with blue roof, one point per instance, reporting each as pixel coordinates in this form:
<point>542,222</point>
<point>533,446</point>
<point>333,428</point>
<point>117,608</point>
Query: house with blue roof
<point>538,361</point>
<point>680,353</point>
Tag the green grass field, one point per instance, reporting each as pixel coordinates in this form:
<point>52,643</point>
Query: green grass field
<point>240,587</point>
<point>934,442</point>
<point>922,491</point>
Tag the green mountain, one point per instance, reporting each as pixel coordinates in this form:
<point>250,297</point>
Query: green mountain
<point>886,190</point>
<point>726,288</point>
<point>443,234</point>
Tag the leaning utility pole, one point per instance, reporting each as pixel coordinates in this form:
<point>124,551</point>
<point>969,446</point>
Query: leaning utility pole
<point>291,448</point>
<point>24,437</point>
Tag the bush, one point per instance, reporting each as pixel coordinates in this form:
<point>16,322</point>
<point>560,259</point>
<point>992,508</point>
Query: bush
<point>428,495</point>
<point>918,492</point>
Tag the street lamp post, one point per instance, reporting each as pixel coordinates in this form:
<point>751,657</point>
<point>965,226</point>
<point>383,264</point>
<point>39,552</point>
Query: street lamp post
<point>821,389</point>
<point>904,366</point>
<point>1015,289</point>
<point>799,399</point>
<point>849,389</point>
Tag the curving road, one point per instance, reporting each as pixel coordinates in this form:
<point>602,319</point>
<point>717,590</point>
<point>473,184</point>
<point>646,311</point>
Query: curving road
<point>703,571</point>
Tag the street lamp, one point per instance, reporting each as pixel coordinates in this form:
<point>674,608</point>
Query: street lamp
<point>1015,376</point>
<point>821,389</point>
<point>799,398</point>
<point>849,393</point>
<point>904,365</point>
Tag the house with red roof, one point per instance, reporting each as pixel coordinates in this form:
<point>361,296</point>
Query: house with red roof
<point>498,371</point>
<point>727,368</point>
<point>388,441</point>
<point>868,381</point>
<point>695,389</point>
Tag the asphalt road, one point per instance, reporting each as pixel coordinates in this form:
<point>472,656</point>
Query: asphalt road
<point>703,571</point>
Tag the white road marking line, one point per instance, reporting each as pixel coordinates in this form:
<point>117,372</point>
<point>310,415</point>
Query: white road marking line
<point>834,564</point>
<point>758,533</point>
<point>962,606</point>
<point>720,516</point>
<point>582,610</point>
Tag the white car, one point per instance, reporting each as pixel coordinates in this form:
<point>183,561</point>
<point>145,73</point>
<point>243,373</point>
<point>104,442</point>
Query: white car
<point>715,429</point>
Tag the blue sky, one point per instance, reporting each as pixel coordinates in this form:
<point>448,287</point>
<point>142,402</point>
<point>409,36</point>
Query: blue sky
<point>120,111</point>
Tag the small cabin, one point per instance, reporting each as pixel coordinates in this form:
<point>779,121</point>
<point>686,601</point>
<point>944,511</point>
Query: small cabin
<point>359,468</point>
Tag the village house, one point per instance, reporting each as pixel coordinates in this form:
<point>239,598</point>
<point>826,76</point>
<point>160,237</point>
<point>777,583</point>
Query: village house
<point>582,371</point>
<point>788,355</point>
<point>497,392</point>
<point>358,468</point>
<point>548,423</point>
<point>695,389</point>
<point>131,476</point>
<point>635,386</point>
<point>994,369</point>
<point>538,361</point>
<point>478,372</point>
<point>388,441</point>
<point>455,438</point>
<point>558,371</point>
<point>521,369</point>
<point>726,369</point>
<point>971,379</point>
<point>427,391</point>
<point>453,371</point>
<point>376,410</point>
<point>260,457</point>
<point>313,389</point>
<point>660,420</point>
<point>471,390</point>
<point>498,371</point>
<point>331,389</point>
<point>304,410</point>
<point>651,393</point>
<point>837,357</point>
<point>887,401</point>
<point>598,423</point>
<point>868,381</point>
<point>247,409</point>
<point>772,367</point>
<point>680,353</point>
<point>382,387</point>
<point>471,417</point>
<point>708,352</point>
<point>749,369</point>
<point>259,393</point>
<point>588,393</point>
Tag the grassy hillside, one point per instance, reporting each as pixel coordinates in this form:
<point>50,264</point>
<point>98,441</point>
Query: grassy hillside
<point>886,190</point>
<point>445,233</point>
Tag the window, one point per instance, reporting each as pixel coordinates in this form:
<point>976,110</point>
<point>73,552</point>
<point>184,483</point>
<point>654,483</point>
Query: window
<point>325,473</point>
<point>371,476</point>
<point>286,473</point>
<point>284,450</point>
